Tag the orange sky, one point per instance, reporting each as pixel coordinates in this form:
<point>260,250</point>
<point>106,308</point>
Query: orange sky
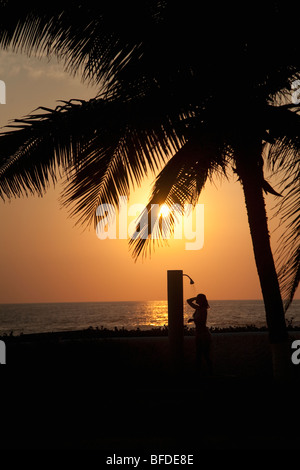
<point>44,258</point>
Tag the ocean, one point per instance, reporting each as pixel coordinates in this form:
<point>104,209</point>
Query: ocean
<point>52,317</point>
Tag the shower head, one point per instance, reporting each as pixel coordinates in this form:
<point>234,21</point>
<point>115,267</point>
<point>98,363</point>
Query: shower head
<point>191,280</point>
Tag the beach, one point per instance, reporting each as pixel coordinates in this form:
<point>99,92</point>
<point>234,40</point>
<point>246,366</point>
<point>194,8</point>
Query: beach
<point>120,393</point>
<point>243,354</point>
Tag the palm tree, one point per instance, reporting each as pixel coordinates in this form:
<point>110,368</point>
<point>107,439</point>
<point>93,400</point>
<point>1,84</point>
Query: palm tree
<point>198,100</point>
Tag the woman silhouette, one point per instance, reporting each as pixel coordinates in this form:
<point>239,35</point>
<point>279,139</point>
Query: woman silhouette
<point>203,336</point>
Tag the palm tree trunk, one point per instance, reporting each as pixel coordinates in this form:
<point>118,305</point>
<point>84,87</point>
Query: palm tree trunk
<point>250,171</point>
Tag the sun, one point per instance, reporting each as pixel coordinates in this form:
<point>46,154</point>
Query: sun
<point>164,211</point>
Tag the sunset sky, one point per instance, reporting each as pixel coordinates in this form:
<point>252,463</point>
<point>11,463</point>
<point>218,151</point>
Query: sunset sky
<point>45,258</point>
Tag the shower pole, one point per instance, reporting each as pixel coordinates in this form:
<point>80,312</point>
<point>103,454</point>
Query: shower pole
<point>175,316</point>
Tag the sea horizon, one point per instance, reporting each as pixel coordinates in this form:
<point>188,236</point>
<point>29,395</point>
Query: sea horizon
<point>111,301</point>
<point>39,317</point>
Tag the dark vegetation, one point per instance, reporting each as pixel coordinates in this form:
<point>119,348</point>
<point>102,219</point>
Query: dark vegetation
<point>96,332</point>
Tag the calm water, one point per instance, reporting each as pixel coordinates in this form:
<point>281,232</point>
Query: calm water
<point>45,317</point>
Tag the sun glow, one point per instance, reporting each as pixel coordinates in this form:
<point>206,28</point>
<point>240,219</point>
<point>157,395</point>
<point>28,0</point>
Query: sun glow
<point>164,211</point>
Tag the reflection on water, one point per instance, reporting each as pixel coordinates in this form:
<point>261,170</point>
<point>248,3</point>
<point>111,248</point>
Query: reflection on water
<point>35,318</point>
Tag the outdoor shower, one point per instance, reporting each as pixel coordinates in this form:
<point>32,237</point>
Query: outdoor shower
<point>175,315</point>
<point>191,280</point>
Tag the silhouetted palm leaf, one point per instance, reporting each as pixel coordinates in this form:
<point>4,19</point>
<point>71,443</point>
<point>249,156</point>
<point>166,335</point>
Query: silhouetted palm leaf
<point>78,32</point>
<point>284,157</point>
<point>181,181</point>
<point>102,146</point>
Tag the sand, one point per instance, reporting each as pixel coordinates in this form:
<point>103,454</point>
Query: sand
<point>118,395</point>
<point>245,354</point>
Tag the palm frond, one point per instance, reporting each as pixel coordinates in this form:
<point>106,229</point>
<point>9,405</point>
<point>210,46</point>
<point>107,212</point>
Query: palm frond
<point>102,146</point>
<point>284,159</point>
<point>96,38</point>
<point>110,172</point>
<point>181,181</point>
<point>287,255</point>
<point>34,147</point>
